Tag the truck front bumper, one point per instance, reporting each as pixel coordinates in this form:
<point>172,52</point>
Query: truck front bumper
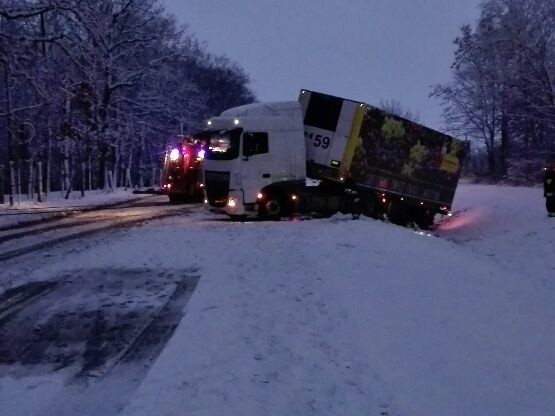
<point>234,206</point>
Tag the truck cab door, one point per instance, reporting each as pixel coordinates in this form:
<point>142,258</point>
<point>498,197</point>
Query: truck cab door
<point>256,167</point>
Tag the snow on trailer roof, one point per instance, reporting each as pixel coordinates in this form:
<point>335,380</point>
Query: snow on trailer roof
<point>262,109</point>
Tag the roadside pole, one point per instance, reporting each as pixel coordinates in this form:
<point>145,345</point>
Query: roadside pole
<point>12,184</point>
<point>40,197</point>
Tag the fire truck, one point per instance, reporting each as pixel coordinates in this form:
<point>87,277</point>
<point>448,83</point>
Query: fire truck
<point>182,178</point>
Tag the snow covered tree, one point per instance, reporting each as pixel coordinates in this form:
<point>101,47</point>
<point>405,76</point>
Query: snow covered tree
<point>94,88</point>
<point>471,102</point>
<point>503,79</point>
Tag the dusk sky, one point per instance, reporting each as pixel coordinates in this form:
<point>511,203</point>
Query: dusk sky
<point>365,50</point>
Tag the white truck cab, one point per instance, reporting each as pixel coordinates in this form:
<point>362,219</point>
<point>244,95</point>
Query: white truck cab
<point>245,150</point>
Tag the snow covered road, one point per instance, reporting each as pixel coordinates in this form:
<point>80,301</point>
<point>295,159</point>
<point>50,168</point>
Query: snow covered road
<point>331,317</point>
<point>22,238</point>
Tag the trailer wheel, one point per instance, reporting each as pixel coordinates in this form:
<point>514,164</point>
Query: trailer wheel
<point>368,205</point>
<point>272,208</point>
<point>423,218</point>
<point>175,199</point>
<point>397,213</point>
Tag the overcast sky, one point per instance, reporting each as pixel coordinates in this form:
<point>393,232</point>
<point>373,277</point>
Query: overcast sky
<point>365,50</point>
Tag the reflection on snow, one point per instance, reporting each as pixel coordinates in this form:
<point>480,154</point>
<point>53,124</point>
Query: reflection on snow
<point>460,220</point>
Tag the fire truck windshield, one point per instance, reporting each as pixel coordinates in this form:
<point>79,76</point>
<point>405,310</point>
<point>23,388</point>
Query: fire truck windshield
<point>223,144</point>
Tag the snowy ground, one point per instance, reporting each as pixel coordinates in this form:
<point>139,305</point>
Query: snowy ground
<point>328,317</point>
<point>26,210</point>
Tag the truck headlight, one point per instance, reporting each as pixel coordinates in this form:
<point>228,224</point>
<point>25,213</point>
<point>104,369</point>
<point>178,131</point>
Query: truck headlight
<point>174,155</point>
<point>232,202</point>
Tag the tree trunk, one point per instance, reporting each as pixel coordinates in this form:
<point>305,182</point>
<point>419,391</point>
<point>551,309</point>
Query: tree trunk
<point>9,126</point>
<point>12,183</point>
<point>18,182</point>
<point>140,158</point>
<point>2,184</point>
<point>116,166</point>
<point>48,159</point>
<point>40,197</point>
<point>62,182</point>
<point>504,152</point>
<point>31,181</point>
<point>491,161</point>
<point>102,168</point>
<point>67,171</point>
<point>105,180</point>
<point>128,170</point>
<point>83,178</point>
<point>89,167</point>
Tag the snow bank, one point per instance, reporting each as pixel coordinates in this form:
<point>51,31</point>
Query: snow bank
<point>335,317</point>
<point>507,224</point>
<point>341,317</point>
<point>30,210</point>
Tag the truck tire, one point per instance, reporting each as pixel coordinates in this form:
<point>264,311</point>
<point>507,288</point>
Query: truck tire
<point>175,199</point>
<point>423,218</point>
<point>272,208</point>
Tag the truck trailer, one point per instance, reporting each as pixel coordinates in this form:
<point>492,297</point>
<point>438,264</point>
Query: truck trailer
<point>323,154</point>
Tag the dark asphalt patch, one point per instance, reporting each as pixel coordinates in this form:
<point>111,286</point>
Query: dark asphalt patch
<point>12,300</point>
<point>88,321</point>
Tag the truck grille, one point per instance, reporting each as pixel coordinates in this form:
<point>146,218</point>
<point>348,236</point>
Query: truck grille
<point>216,185</point>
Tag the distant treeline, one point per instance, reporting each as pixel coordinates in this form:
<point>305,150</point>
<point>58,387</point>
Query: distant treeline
<point>94,89</point>
<point>502,95</point>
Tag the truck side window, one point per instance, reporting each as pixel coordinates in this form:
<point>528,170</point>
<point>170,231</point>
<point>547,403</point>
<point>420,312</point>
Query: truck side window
<point>255,143</point>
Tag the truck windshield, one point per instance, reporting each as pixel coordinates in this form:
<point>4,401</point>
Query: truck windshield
<point>223,144</point>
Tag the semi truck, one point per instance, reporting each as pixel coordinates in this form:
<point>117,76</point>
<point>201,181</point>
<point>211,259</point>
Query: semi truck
<point>182,176</point>
<point>323,154</point>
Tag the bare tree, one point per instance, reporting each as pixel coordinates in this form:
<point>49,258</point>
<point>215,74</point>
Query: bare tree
<point>393,106</point>
<point>503,79</point>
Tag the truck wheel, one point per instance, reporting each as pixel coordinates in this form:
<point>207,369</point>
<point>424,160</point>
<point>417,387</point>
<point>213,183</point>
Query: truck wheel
<point>272,208</point>
<point>174,199</point>
<point>398,214</point>
<point>423,218</point>
<point>198,196</point>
